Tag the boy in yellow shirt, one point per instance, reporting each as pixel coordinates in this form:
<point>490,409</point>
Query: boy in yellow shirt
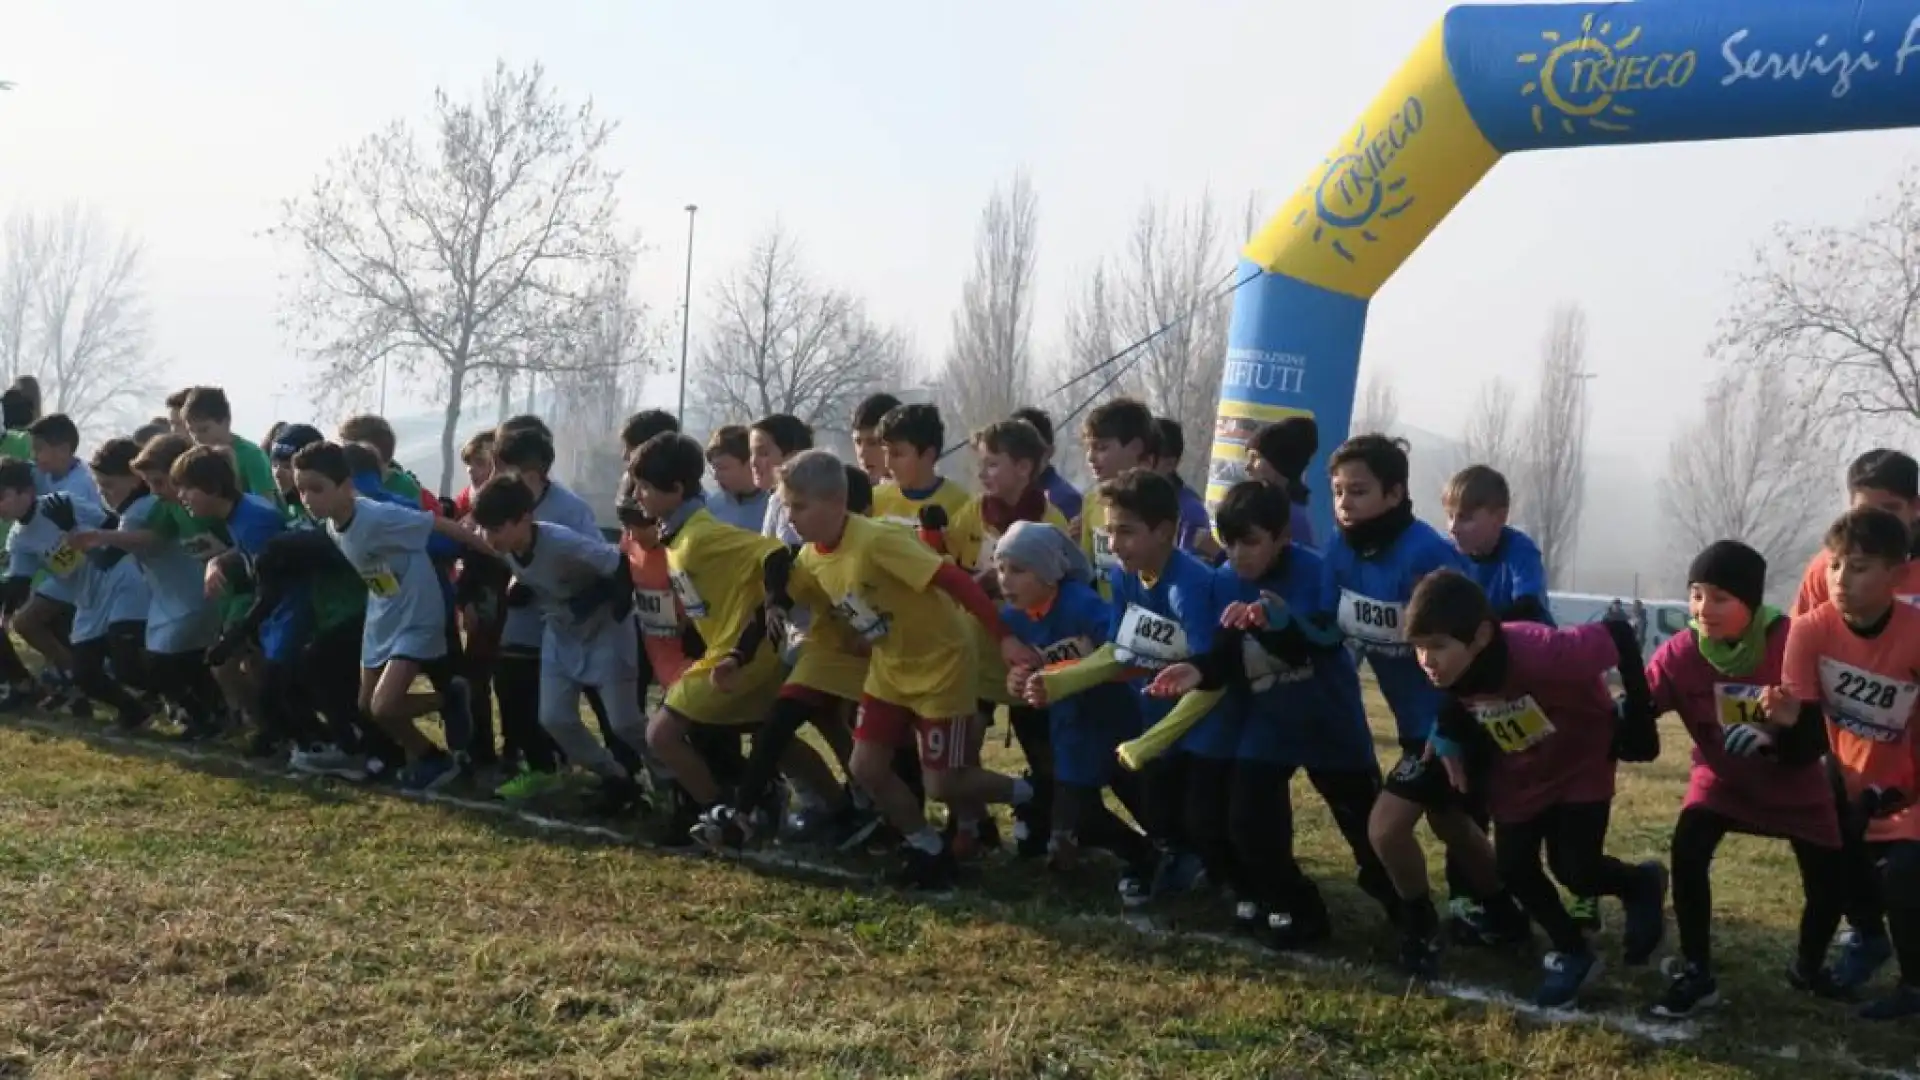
<point>716,574</point>
<point>911,607</point>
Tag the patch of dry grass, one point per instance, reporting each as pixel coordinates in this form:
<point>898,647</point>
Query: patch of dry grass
<point>164,918</point>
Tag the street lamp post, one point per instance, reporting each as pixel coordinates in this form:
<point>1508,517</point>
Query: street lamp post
<point>686,312</point>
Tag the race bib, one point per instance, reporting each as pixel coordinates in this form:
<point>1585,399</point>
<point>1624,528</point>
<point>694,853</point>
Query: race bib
<point>203,546</point>
<point>1067,651</point>
<point>63,560</point>
<point>381,581</point>
<point>1103,556</point>
<point>658,617</point>
<point>1514,726</point>
<point>1738,703</point>
<point>1873,707</point>
<point>861,618</point>
<point>690,599</point>
<point>1150,641</point>
<point>1373,623</point>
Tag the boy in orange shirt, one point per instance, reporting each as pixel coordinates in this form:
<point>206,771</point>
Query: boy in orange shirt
<point>1857,659</point>
<point>1885,480</point>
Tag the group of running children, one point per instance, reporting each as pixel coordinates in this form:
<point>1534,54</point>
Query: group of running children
<point>1180,666</point>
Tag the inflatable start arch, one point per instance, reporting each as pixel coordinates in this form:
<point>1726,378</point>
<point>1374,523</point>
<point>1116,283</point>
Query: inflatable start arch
<point>1494,80</point>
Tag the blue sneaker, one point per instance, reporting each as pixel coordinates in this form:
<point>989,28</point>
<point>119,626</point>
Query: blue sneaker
<point>1646,916</point>
<point>1861,958</point>
<point>430,774</point>
<point>1567,974</point>
<point>1179,872</point>
<point>1904,1002</point>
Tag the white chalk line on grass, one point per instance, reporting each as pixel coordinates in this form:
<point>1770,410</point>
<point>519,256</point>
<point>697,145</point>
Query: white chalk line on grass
<point>1626,1023</point>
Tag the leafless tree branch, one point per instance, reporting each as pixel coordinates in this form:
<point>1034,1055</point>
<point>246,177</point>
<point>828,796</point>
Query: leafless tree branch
<point>481,255</point>
<point>1552,486</point>
<point>989,367</point>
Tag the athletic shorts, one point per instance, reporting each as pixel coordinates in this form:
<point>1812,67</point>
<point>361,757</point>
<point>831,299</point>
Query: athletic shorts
<point>1424,783</point>
<point>946,743</point>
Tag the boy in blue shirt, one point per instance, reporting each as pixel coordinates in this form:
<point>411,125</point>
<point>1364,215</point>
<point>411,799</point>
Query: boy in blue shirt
<point>1378,553</point>
<point>1299,691</point>
<point>1502,560</point>
<point>1051,605</point>
<point>1163,613</point>
<point>45,570</point>
<point>405,632</point>
<point>1196,526</point>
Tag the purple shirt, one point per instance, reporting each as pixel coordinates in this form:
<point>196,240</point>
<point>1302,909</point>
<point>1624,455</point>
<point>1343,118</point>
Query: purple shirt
<point>1194,521</point>
<point>1061,494</point>
<point>1553,721</point>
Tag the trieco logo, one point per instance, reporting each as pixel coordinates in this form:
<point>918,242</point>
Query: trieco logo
<point>1582,78</point>
<point>1357,188</point>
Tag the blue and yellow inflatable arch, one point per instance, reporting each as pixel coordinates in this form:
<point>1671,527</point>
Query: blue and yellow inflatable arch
<point>1494,80</point>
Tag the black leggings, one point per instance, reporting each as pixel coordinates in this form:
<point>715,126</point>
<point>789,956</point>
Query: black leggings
<point>1260,823</point>
<point>1033,729</point>
<point>777,732</point>
<point>1080,812</point>
<point>124,647</point>
<point>330,681</point>
<point>12,669</point>
<point>184,679</point>
<point>516,685</point>
<point>286,713</point>
<point>1823,877</point>
<point>1163,795</point>
<point>1574,836</point>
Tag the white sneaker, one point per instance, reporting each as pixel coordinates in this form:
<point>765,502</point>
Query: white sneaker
<point>328,761</point>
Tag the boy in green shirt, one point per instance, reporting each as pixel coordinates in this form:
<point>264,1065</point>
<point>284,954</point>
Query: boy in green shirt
<point>210,421</point>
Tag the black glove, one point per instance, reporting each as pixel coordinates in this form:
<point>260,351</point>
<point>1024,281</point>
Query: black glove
<point>519,594</point>
<point>1879,802</point>
<point>59,509</point>
<point>237,569</point>
<point>933,517</point>
<point>777,573</point>
<point>111,521</point>
<point>448,508</point>
<point>620,603</point>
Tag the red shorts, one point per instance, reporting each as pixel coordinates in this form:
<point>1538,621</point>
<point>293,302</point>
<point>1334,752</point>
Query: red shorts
<point>951,742</point>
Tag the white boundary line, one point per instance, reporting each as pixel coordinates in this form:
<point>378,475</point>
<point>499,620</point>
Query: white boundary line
<point>1626,1023</point>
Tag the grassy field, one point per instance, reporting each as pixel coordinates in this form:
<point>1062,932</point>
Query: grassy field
<point>164,915</point>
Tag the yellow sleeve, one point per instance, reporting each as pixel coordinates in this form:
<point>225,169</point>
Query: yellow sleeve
<point>1161,737</point>
<point>805,590</point>
<point>900,554</point>
<point>1099,666</point>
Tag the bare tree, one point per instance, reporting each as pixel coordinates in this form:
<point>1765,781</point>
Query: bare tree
<point>73,312</point>
<point>1379,407</point>
<point>1553,481</point>
<point>1168,289</point>
<point>466,260</point>
<point>598,383</point>
<point>1491,436</point>
<point>989,368</point>
<point>1756,467</point>
<point>781,342</point>
<point>1838,309</point>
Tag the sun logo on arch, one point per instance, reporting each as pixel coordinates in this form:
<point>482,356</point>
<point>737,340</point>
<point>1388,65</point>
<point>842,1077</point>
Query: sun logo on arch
<point>1579,78</point>
<point>1361,186</point>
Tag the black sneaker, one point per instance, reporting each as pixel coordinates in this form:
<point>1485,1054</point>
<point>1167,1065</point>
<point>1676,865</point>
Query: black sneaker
<point>1420,956</point>
<point>1287,932</point>
<point>133,719</point>
<point>721,830</point>
<point>1136,886</point>
<point>263,745</point>
<point>618,797</point>
<point>1690,989</point>
<point>920,870</point>
<point>1381,890</point>
<point>1646,922</point>
<point>853,827</point>
<point>1818,982</point>
<point>1904,1002</point>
